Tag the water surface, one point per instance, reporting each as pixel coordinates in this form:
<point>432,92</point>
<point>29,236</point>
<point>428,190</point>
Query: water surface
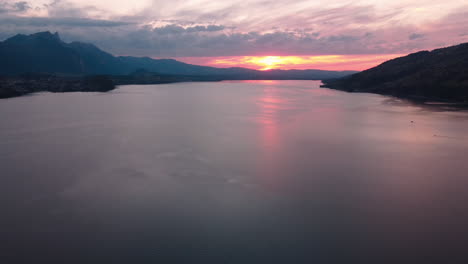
<point>231,172</point>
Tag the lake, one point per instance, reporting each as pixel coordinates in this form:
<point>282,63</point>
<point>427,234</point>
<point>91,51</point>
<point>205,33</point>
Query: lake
<point>231,172</point>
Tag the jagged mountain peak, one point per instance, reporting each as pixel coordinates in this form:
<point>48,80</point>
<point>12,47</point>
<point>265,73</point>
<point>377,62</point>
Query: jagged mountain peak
<point>41,36</point>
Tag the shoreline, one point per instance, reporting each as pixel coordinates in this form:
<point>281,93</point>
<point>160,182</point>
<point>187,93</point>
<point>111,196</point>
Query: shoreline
<point>16,86</point>
<point>417,99</point>
<point>19,86</point>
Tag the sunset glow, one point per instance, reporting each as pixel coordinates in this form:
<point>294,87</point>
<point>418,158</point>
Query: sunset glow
<point>324,62</point>
<point>271,62</point>
<point>296,34</point>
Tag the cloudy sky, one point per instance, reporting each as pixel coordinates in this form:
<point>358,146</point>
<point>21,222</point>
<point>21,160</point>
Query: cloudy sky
<point>327,34</point>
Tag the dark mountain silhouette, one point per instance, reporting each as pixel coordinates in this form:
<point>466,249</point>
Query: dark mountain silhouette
<point>41,52</point>
<point>441,74</point>
<point>96,61</point>
<point>45,52</point>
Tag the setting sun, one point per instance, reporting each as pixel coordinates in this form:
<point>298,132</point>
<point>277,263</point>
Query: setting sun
<point>269,62</point>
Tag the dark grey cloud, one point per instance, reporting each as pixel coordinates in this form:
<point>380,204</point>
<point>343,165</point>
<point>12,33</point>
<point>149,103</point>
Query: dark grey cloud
<point>173,41</point>
<point>345,38</point>
<point>122,38</point>
<point>209,28</point>
<point>415,36</point>
<point>21,6</point>
<point>169,29</point>
<point>15,7</point>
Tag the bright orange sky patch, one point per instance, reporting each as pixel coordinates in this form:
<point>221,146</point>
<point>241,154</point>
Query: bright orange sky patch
<point>323,62</point>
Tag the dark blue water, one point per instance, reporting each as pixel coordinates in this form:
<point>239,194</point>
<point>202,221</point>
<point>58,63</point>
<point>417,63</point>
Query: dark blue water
<point>231,172</point>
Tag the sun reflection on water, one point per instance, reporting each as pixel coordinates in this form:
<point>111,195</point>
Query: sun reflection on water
<point>270,105</point>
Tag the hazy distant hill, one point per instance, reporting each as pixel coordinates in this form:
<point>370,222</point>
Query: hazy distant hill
<point>441,74</point>
<point>45,52</point>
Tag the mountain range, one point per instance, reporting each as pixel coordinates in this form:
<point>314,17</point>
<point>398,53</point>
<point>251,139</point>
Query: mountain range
<point>440,75</point>
<point>45,52</point>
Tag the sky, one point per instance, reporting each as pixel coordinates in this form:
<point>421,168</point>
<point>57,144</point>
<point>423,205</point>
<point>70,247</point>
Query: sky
<point>259,34</point>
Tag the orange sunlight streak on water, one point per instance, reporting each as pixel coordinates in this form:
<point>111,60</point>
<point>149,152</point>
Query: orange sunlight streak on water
<point>269,105</point>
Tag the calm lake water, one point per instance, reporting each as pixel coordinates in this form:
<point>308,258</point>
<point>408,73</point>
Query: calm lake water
<point>231,172</point>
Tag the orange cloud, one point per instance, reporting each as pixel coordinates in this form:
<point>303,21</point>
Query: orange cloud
<point>324,62</point>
